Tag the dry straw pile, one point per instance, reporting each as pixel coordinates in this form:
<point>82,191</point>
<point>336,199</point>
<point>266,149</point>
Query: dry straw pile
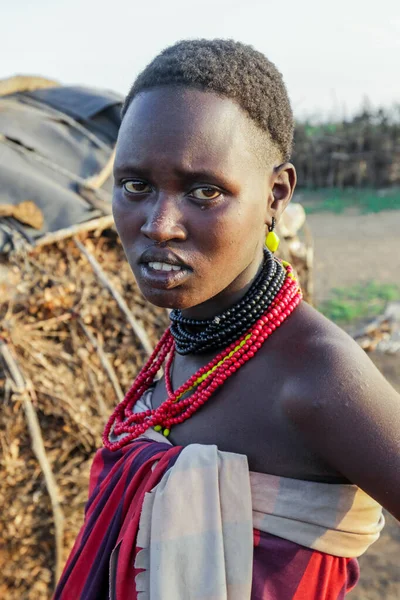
<point>74,332</point>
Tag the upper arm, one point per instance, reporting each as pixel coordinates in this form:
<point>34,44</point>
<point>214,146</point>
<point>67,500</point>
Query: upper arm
<point>350,415</point>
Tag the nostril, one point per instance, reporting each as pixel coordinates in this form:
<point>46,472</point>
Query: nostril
<point>162,231</point>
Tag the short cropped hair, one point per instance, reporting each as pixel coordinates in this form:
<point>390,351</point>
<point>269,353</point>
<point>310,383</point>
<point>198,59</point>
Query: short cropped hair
<point>231,69</point>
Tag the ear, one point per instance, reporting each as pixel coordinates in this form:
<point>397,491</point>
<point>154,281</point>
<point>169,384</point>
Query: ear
<point>283,182</point>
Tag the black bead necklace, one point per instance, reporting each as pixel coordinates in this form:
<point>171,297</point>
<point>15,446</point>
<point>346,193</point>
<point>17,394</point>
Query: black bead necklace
<point>196,336</point>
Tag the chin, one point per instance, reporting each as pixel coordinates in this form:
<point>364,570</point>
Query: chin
<point>173,298</point>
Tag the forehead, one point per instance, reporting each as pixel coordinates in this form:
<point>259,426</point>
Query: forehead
<point>186,126</point>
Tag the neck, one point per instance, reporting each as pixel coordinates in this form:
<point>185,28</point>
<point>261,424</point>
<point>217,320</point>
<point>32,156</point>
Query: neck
<point>227,297</point>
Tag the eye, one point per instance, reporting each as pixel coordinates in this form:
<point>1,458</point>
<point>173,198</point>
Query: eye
<point>205,193</point>
<point>135,186</point>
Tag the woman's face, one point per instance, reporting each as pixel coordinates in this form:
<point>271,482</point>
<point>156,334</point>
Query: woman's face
<point>191,198</point>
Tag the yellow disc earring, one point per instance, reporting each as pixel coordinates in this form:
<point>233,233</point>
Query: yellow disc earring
<point>272,240</point>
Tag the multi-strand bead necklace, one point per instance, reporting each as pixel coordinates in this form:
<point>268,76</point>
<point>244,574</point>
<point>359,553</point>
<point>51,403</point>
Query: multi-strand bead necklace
<point>179,406</point>
<point>226,327</point>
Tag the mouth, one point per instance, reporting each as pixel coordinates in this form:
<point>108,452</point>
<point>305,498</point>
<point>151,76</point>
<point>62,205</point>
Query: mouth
<point>163,275</point>
<point>163,269</point>
<point>162,266</point>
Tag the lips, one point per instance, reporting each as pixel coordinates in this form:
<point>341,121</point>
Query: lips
<point>159,258</point>
<point>163,280</point>
<point>162,269</point>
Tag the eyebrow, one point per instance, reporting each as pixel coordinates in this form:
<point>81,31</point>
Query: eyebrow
<point>127,170</point>
<point>191,176</point>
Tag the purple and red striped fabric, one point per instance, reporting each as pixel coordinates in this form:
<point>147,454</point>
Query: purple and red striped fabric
<point>101,563</point>
<point>283,570</point>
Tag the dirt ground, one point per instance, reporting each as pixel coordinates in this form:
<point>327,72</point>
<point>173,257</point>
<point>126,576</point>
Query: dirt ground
<point>351,248</point>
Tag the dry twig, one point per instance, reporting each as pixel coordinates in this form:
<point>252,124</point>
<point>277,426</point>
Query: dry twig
<point>25,390</point>
<point>137,328</point>
<point>104,360</point>
<point>94,224</point>
<point>96,181</point>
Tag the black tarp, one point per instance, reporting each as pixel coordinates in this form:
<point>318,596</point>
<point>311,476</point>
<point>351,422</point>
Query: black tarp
<point>51,140</point>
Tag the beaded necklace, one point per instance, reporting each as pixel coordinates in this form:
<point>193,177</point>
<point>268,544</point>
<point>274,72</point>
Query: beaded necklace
<point>178,406</point>
<point>227,326</point>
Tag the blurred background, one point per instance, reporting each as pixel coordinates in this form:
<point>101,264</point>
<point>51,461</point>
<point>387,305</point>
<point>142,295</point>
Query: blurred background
<point>74,329</point>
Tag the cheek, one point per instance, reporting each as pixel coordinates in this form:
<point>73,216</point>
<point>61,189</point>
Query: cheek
<point>127,219</point>
<point>237,229</point>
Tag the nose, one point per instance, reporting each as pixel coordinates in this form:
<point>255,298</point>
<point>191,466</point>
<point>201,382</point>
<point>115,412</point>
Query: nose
<point>164,221</point>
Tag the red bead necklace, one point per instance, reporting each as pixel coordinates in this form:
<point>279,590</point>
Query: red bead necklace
<point>206,380</point>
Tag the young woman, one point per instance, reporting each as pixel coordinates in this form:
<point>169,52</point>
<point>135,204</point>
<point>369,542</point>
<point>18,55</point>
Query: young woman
<point>253,453</point>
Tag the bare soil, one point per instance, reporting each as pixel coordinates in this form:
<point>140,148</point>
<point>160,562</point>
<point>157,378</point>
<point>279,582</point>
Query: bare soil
<point>352,248</point>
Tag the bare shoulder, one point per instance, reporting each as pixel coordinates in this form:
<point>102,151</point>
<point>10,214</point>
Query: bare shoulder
<point>328,367</point>
<point>344,407</point>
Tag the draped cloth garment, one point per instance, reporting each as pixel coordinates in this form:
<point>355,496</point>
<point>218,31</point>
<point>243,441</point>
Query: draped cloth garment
<point>169,523</point>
